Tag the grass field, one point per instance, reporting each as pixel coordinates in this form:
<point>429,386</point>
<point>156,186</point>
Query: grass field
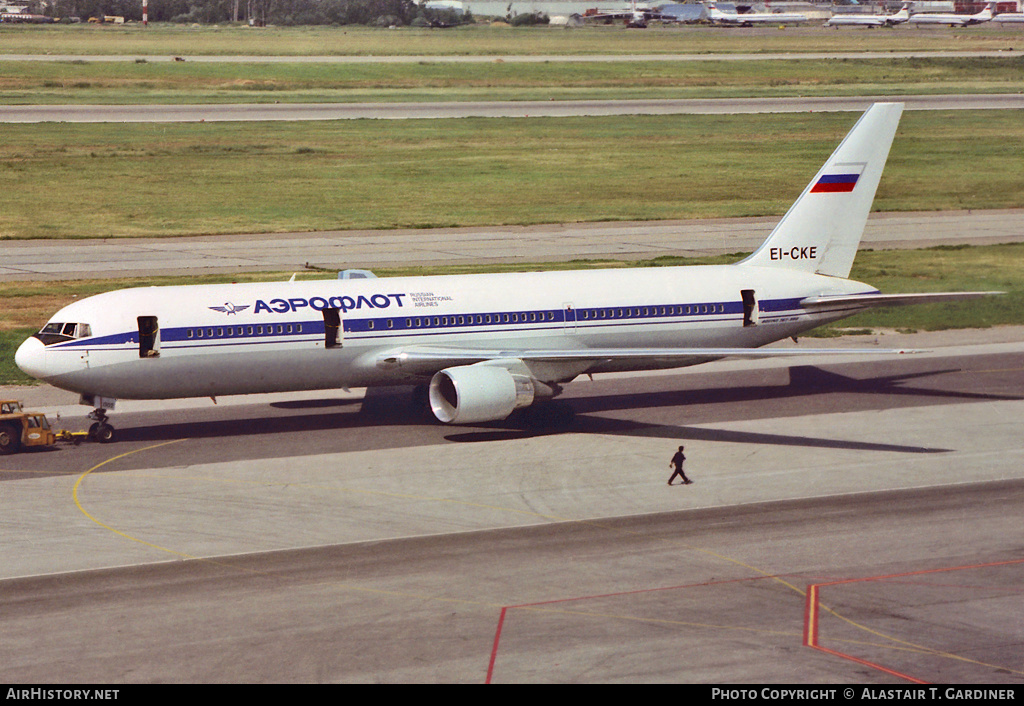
<point>86,181</point>
<point>485,40</point>
<point>80,81</point>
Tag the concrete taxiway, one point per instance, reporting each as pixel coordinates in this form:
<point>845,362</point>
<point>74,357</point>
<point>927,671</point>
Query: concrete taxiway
<point>487,109</point>
<point>512,58</point>
<point>70,259</point>
<point>303,538</point>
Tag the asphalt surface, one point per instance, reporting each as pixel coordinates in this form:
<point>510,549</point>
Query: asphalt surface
<point>305,538</point>
<point>486,109</point>
<point>337,250</point>
<point>517,58</point>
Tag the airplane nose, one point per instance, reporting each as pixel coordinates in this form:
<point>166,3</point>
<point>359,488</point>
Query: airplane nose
<point>31,358</point>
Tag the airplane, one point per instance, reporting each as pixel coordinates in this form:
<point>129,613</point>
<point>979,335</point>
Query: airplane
<point>748,19</point>
<point>953,20</point>
<point>1011,17</point>
<point>871,20</point>
<point>484,345</point>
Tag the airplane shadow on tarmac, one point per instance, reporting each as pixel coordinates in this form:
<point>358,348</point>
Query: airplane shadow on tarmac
<point>392,420</point>
<point>585,424</point>
<point>834,393</point>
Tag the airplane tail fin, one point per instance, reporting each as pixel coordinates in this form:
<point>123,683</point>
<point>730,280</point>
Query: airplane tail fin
<point>821,231</point>
<point>903,14</point>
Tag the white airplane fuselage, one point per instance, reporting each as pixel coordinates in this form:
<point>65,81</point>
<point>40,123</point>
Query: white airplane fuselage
<point>953,19</point>
<point>721,17</point>
<point>274,341</point>
<point>870,20</point>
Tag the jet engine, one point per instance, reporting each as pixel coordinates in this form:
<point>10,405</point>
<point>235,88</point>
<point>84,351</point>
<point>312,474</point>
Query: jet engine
<point>479,393</point>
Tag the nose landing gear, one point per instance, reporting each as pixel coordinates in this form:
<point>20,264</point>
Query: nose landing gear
<point>101,431</point>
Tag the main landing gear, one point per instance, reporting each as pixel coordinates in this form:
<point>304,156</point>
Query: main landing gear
<point>101,431</point>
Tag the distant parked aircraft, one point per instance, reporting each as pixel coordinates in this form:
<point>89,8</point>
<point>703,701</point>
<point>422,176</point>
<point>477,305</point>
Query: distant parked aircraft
<point>1009,17</point>
<point>871,20</point>
<point>952,19</point>
<point>749,19</point>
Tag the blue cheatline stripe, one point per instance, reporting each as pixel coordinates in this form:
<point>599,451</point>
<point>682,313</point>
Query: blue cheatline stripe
<point>428,324</point>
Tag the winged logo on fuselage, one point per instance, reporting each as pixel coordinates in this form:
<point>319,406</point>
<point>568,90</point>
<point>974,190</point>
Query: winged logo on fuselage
<point>230,308</point>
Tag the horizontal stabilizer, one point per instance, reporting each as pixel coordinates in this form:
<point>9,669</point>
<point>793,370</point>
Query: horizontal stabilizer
<point>870,301</point>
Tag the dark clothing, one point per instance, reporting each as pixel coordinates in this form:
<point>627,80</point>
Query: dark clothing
<point>677,461</point>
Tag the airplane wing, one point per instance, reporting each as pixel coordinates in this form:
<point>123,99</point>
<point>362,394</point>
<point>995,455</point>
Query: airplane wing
<point>423,360</point>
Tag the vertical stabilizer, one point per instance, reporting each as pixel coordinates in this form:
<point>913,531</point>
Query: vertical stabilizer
<point>821,231</point>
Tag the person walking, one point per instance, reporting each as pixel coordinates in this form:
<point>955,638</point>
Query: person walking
<point>677,462</point>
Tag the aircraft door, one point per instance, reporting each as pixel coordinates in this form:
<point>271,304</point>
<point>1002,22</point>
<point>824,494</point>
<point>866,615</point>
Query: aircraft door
<point>149,337</point>
<point>569,313</point>
<point>750,307</point>
<point>332,328</point>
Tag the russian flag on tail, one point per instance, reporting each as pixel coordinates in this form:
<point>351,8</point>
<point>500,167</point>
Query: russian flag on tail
<point>839,179</point>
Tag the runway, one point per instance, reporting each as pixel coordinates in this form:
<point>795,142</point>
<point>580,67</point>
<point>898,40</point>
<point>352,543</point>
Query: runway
<point>561,242</point>
<point>487,109</point>
<point>301,538</point>
<point>512,58</point>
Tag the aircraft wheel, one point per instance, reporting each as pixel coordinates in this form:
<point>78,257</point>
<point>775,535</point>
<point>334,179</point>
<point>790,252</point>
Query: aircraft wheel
<point>104,433</point>
<point>10,440</point>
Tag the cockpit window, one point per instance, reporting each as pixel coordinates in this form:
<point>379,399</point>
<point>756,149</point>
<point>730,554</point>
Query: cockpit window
<point>55,332</point>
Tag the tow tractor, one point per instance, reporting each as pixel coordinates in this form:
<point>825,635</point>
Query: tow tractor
<point>19,428</point>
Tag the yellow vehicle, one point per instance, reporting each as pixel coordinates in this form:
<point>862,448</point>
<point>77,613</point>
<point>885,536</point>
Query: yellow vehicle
<point>19,428</point>
<point>72,437</point>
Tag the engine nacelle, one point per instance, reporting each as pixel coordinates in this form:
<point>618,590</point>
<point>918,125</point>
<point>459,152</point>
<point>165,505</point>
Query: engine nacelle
<point>478,393</point>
